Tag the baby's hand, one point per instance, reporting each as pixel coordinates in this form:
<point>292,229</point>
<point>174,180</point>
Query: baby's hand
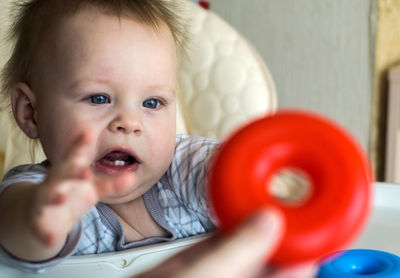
<point>69,191</point>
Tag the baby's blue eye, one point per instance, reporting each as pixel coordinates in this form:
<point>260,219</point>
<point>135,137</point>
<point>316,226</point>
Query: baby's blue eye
<point>151,103</point>
<point>99,99</point>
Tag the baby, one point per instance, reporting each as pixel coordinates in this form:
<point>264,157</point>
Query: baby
<point>95,82</point>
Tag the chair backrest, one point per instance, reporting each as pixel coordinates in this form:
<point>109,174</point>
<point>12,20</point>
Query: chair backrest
<point>225,83</point>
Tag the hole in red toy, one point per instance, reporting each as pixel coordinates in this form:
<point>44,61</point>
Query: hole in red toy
<point>291,186</point>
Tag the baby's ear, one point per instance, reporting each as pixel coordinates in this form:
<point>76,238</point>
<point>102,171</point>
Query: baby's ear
<point>23,106</point>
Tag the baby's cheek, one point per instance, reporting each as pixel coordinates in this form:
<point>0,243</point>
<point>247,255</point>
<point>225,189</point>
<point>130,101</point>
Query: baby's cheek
<point>165,152</point>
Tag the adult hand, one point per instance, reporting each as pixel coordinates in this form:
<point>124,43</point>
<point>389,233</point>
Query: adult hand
<point>243,254</point>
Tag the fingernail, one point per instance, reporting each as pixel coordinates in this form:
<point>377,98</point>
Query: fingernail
<point>87,137</point>
<point>49,239</point>
<point>84,174</point>
<point>58,198</point>
<point>267,219</point>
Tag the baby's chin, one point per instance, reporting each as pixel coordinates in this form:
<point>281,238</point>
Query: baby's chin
<point>118,200</point>
<point>127,197</point>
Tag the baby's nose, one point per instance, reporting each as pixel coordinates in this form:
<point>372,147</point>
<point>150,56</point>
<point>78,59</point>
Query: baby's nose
<point>126,124</point>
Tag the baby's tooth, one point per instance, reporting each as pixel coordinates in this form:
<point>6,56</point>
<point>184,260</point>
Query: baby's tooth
<point>119,163</point>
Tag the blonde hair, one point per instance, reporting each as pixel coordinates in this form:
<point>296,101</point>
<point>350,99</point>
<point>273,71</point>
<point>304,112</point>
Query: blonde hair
<point>35,20</point>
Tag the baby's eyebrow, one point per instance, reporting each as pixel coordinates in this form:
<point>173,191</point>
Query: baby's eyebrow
<point>162,88</point>
<point>76,84</point>
<point>81,84</point>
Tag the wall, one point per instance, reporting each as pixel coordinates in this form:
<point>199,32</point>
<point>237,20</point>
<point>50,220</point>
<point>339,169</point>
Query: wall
<point>387,54</point>
<point>320,53</point>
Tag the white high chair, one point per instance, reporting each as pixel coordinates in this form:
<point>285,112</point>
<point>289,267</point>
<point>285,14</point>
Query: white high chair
<point>224,85</point>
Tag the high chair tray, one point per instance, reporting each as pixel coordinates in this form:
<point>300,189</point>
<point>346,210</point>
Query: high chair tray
<point>383,229</point>
<point>382,233</point>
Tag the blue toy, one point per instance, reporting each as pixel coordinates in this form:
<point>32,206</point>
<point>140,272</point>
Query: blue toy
<point>360,263</point>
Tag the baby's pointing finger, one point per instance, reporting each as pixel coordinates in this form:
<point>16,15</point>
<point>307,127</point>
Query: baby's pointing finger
<point>81,151</point>
<point>78,158</point>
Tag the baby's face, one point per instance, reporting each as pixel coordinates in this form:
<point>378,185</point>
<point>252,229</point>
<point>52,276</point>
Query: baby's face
<point>116,78</point>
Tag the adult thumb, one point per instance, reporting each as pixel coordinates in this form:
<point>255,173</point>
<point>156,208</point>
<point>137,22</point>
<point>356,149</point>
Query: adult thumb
<point>246,251</point>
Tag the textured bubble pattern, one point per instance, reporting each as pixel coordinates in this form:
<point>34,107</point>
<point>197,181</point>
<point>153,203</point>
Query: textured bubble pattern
<point>224,83</point>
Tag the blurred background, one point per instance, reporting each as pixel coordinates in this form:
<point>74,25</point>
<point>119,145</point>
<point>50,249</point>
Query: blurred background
<point>331,56</point>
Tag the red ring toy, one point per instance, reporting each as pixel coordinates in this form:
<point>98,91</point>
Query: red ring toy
<point>339,205</point>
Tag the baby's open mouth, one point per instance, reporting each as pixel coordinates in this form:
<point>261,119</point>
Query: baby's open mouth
<point>116,161</point>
